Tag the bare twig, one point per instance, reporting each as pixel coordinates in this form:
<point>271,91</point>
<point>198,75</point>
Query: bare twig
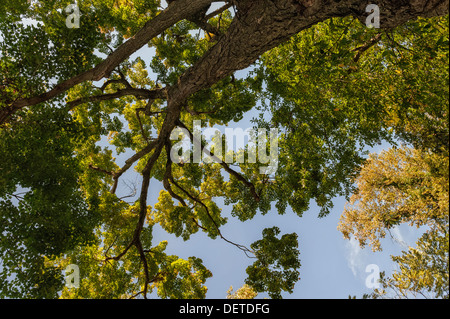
<point>246,250</point>
<point>223,164</point>
<point>130,162</point>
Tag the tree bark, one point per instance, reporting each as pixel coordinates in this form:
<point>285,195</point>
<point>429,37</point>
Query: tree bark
<point>182,9</point>
<point>258,27</point>
<point>262,25</point>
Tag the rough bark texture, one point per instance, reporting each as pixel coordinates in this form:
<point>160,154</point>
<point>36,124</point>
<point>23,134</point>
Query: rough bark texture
<point>258,27</point>
<point>262,25</point>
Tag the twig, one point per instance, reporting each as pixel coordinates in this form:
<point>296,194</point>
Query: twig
<point>131,161</point>
<point>138,93</point>
<point>95,168</point>
<point>197,200</point>
<point>222,163</point>
<point>366,46</point>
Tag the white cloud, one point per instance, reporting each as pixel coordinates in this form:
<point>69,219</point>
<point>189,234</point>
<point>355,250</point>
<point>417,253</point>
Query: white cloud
<point>398,237</point>
<point>355,257</point>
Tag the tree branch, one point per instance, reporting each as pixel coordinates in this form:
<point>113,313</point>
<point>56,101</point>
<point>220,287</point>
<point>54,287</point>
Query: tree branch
<point>241,247</point>
<point>138,93</point>
<point>117,258</point>
<point>226,167</point>
<point>144,135</point>
<point>197,200</point>
<point>218,11</point>
<point>95,168</point>
<point>181,9</point>
<point>136,241</point>
<point>143,258</point>
<point>168,176</point>
<point>366,46</point>
<point>144,189</point>
<point>131,161</point>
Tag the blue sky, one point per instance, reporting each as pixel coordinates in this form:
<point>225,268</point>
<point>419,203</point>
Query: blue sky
<point>331,267</point>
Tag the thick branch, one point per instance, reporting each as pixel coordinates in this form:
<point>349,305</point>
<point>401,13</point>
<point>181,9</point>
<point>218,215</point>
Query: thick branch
<point>179,10</point>
<point>146,173</point>
<point>258,27</point>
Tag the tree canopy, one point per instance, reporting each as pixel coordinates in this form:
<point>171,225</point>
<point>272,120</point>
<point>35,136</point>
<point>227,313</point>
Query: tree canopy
<point>330,85</point>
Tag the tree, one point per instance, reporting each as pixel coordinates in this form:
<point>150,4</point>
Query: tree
<point>63,90</point>
<point>423,270</point>
<point>404,186</point>
<point>245,292</point>
<point>398,186</point>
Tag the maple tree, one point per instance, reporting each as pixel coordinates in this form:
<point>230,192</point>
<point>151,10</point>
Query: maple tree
<point>317,69</point>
